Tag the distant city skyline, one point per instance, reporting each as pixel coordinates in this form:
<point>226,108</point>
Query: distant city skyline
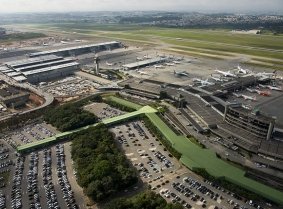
<point>237,6</point>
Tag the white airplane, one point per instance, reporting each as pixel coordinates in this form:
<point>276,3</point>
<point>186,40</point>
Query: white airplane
<point>203,82</point>
<point>243,71</point>
<point>183,73</point>
<point>142,72</point>
<point>217,79</point>
<point>226,73</point>
<point>237,95</point>
<point>263,93</point>
<point>139,58</point>
<point>109,64</point>
<point>176,62</point>
<point>169,64</point>
<point>64,42</point>
<point>251,90</point>
<point>274,88</point>
<point>266,74</point>
<point>77,40</point>
<point>249,97</point>
<point>158,66</point>
<point>262,86</point>
<point>45,44</point>
<point>146,57</point>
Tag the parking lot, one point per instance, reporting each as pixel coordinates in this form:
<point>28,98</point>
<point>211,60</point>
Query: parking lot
<point>165,175</point>
<point>43,179</point>
<point>102,110</point>
<point>70,86</point>
<point>29,133</point>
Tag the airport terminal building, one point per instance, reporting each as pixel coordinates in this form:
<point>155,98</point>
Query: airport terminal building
<point>78,50</point>
<point>39,69</point>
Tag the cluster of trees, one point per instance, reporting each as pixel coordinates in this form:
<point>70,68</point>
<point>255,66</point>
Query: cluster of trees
<point>102,169</point>
<point>71,116</point>
<point>21,36</point>
<point>144,200</point>
<point>150,18</point>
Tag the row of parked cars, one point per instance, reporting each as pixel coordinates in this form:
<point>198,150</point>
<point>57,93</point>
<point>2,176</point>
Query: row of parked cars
<point>32,182</point>
<point>16,193</point>
<point>2,200</point>
<point>162,158</point>
<point>67,191</point>
<point>51,197</point>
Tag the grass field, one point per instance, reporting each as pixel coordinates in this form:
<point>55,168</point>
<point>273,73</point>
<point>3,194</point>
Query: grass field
<point>195,157</point>
<point>218,44</point>
<point>19,37</point>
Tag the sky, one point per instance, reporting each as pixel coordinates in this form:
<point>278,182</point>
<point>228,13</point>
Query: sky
<point>11,6</point>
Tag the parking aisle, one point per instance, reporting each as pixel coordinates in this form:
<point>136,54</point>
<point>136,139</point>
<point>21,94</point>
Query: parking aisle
<point>40,182</point>
<point>57,187</point>
<point>24,183</point>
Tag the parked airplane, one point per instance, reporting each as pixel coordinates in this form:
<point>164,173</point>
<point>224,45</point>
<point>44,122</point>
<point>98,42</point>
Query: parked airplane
<point>251,90</point>
<point>169,64</point>
<point>218,79</point>
<point>266,74</point>
<point>243,71</point>
<point>203,82</point>
<point>183,73</point>
<point>45,44</point>
<point>158,66</point>
<point>237,95</point>
<point>263,93</point>
<point>142,72</point>
<point>249,97</point>
<point>146,57</point>
<point>226,73</point>
<point>274,88</point>
<point>262,86</point>
<point>109,64</point>
<point>176,62</point>
<point>139,58</point>
<point>64,42</point>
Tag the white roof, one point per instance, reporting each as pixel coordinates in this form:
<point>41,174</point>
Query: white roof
<point>12,74</point>
<point>72,48</point>
<point>27,73</point>
<point>20,78</point>
<point>32,60</point>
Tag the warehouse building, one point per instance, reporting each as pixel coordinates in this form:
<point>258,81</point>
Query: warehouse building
<point>39,69</point>
<point>78,50</point>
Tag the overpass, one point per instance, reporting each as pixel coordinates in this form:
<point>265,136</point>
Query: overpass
<point>61,136</point>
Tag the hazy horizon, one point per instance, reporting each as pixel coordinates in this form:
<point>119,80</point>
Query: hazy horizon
<point>239,6</point>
